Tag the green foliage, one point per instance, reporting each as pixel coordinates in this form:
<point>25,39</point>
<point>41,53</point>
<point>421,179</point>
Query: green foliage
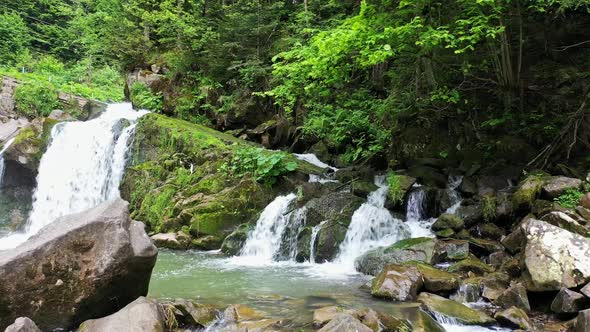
<point>264,166</point>
<point>489,207</point>
<point>570,198</point>
<point>36,99</point>
<point>395,192</point>
<point>14,38</point>
<point>142,97</point>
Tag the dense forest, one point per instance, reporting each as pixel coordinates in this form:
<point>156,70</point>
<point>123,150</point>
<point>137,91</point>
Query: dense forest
<point>380,81</point>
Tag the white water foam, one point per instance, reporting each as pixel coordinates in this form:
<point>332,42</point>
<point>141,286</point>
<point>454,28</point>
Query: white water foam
<point>81,168</point>
<point>314,160</point>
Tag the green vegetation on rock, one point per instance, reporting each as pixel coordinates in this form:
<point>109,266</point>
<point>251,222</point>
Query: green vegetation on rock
<point>570,199</point>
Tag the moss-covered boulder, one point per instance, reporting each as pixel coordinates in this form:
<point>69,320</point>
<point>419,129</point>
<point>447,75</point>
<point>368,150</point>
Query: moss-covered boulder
<point>397,282</point>
<point>188,177</point>
<point>515,318</point>
<point>233,243</point>
<point>417,249</point>
<point>436,280</point>
<point>30,143</point>
<point>362,188</point>
<point>528,190</point>
<point>447,220</point>
<point>455,310</point>
<point>471,264</point>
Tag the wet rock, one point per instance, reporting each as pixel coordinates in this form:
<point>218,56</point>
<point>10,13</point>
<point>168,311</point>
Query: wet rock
<point>528,190</point>
<point>425,323</point>
<point>417,249</point>
<point>259,325</point>
<point>405,184</point>
<point>362,188</point>
<point>370,318</point>
<point>345,322</point>
<point>428,176</point>
<point>583,321</point>
<point>469,291</point>
<point>484,246</point>
<point>584,212</point>
<point>565,221</point>
<point>498,258</point>
<point>554,257</point>
<point>208,242</point>
<point>493,285</point>
<point>389,323</point>
<point>471,214</point>
<point>449,308</point>
<point>436,280</point>
<point>194,314</point>
<point>445,233</point>
<point>516,241</point>
<point>557,185</point>
<point>304,245</point>
<point>487,231</point>
<point>585,201</point>
<point>447,220</point>
<point>397,282</point>
<point>586,290</point>
<point>141,315</point>
<point>23,324</point>
<point>72,274</point>
<point>233,243</point>
<point>30,143</point>
<point>468,187</point>
<point>238,313</point>
<point>470,264</point>
<point>514,296</point>
<point>515,318</point>
<point>568,302</point>
<point>451,250</point>
<point>178,240</point>
<point>323,315</point>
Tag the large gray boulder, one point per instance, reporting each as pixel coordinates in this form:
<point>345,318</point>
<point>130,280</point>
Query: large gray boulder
<point>554,257</point>
<point>23,324</point>
<point>417,249</point>
<point>141,315</point>
<point>554,186</point>
<point>81,266</point>
<point>345,322</point>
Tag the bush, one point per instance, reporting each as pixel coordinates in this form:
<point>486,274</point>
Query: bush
<point>36,99</point>
<point>570,199</point>
<point>142,97</point>
<point>262,165</point>
<point>14,38</point>
<point>396,194</point>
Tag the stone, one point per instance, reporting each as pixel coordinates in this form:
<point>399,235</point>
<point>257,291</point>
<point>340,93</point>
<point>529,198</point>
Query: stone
<point>370,318</point>
<point>586,290</point>
<point>398,283</point>
<point>445,233</point>
<point>389,323</point>
<point>345,322</point>
<point>471,214</point>
<point>447,220</point>
<point>484,246</point>
<point>514,296</point>
<point>416,249</point>
<point>468,186</point>
<point>487,231</point>
<point>30,143</point>
<point>436,280</point>
<point>233,243</point>
<point>469,291</point>
<point>23,324</point>
<point>583,321</point>
<point>515,318</point>
<point>80,266</point>
<point>170,241</point>
<point>565,221</point>
<point>207,242</point>
<point>528,190</point>
<point>585,201</point>
<point>470,264</point>
<point>428,176</point>
<point>238,313</point>
<point>454,310</point>
<point>555,186</point>
<point>584,213</point>
<point>141,315</point>
<point>323,315</point>
<point>568,302</point>
<point>425,323</point>
<point>554,257</point>
<point>405,185</point>
<point>451,250</point>
<point>194,314</point>
<point>493,286</point>
<point>362,188</point>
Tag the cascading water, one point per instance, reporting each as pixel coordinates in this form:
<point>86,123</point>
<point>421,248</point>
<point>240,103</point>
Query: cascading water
<point>2,163</point>
<point>81,168</point>
<point>294,226</point>
<point>314,235</point>
<point>372,226</point>
<point>265,240</point>
<point>314,160</point>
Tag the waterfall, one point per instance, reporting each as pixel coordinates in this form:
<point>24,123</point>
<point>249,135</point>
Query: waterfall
<point>314,235</point>
<point>2,163</point>
<point>294,226</point>
<point>81,168</point>
<point>314,160</point>
<point>372,226</point>
<point>265,240</point>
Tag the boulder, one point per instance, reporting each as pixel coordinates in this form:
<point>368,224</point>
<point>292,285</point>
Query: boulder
<point>568,302</point>
<point>436,280</point>
<point>416,249</point>
<point>571,223</point>
<point>586,290</point>
<point>470,264</point>
<point>171,240</point>
<point>555,186</point>
<point>528,190</point>
<point>514,317</point>
<point>447,220</point>
<point>469,291</point>
<point>30,143</point>
<point>81,266</point>
<point>233,243</point>
<point>398,283</point>
<point>428,176</point>
<point>345,322</point>
<point>387,323</point>
<point>141,315</point>
<point>395,198</point>
<point>554,257</point>
<point>362,188</point>
<point>207,242</point>
<point>585,201</point>
<point>583,321</point>
<point>323,315</point>
<point>471,214</point>
<point>454,310</point>
<point>189,313</point>
<point>425,323</point>
<point>23,324</point>
<point>451,250</point>
<point>493,285</point>
<point>514,296</point>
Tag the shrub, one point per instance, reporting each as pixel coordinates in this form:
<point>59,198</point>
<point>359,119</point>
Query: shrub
<point>142,97</point>
<point>570,198</point>
<point>396,194</point>
<point>262,165</point>
<point>36,99</point>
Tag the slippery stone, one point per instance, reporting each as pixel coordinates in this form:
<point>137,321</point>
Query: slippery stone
<point>452,250</point>
<point>449,308</point>
<point>514,317</point>
<point>345,322</point>
<point>23,324</point>
<point>194,314</point>
<point>557,185</point>
<point>436,280</point>
<point>171,240</point>
<point>323,315</point>
<point>568,302</point>
<point>554,257</point>
<point>447,220</point>
<point>398,283</point>
<point>470,264</point>
<point>514,296</point>
<point>141,315</point>
<point>233,243</point>
<point>417,249</point>
<point>425,323</point>
<point>81,266</point>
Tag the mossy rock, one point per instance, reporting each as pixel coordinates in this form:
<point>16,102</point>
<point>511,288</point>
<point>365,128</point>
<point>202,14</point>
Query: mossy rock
<point>233,243</point>
<point>528,190</point>
<point>30,143</point>
<point>417,249</point>
<point>363,188</point>
<point>454,310</point>
<point>425,323</point>
<point>436,280</point>
<point>447,220</point>
<point>471,264</point>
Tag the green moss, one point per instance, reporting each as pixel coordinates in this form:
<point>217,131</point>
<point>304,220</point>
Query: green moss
<point>529,189</point>
<point>407,243</point>
<point>455,310</point>
<point>489,208</point>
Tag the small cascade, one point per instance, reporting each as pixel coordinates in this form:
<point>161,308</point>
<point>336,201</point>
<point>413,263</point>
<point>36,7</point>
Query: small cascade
<point>454,195</point>
<point>314,160</point>
<point>81,168</point>
<point>2,163</point>
<point>453,325</point>
<point>265,240</point>
<point>314,234</point>
<point>372,226</point>
<point>416,220</point>
<point>296,222</point>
